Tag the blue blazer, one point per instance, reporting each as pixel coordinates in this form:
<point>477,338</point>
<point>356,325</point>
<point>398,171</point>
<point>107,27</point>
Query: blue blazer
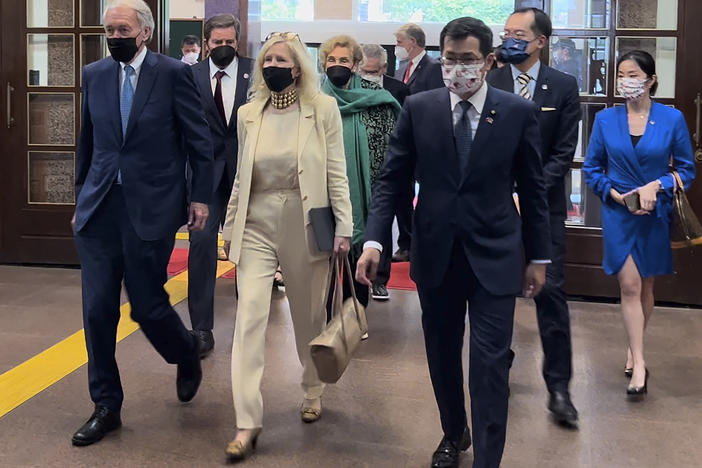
<point>474,207</point>
<point>613,162</point>
<point>166,122</point>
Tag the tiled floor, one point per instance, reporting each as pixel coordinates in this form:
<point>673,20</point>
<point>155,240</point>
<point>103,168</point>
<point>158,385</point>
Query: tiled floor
<point>381,414</point>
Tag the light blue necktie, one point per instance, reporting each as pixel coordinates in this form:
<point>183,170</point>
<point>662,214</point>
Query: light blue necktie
<point>463,133</point>
<point>125,104</point>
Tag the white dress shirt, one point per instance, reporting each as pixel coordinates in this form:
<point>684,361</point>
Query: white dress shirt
<point>533,73</point>
<point>136,65</point>
<point>415,61</point>
<point>228,85</point>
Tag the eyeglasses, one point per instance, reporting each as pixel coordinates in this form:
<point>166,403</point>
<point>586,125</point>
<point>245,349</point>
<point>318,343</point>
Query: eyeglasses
<point>521,35</point>
<point>286,36</point>
<point>452,62</point>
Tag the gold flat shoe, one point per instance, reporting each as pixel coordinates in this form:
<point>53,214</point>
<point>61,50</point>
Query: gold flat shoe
<point>310,414</point>
<point>236,451</point>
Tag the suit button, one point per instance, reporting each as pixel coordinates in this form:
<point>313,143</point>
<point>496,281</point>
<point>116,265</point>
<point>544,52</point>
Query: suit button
<point>304,197</point>
<point>300,171</point>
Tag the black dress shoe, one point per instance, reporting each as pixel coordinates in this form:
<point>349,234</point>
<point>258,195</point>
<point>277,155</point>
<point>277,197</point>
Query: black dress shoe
<point>562,408</point>
<point>401,255</point>
<point>380,292</point>
<point>448,451</point>
<point>189,373</point>
<point>206,342</point>
<point>100,423</point>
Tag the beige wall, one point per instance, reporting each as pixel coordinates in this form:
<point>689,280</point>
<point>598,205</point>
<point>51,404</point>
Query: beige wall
<point>187,9</point>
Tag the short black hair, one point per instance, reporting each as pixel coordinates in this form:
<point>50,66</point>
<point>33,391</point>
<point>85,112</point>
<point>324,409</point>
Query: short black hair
<point>645,61</point>
<point>189,40</point>
<point>461,28</point>
<point>542,23</point>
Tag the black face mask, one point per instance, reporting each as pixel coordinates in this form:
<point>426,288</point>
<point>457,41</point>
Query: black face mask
<point>123,49</point>
<point>222,56</point>
<point>277,78</point>
<point>339,75</point>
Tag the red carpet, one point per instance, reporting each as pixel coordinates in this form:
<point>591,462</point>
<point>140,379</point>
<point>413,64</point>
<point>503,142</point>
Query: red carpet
<point>399,275</point>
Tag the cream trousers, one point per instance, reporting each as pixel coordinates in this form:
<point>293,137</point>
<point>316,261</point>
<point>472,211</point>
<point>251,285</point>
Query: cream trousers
<point>274,235</point>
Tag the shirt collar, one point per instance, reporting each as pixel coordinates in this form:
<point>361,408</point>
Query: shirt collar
<point>418,58</point>
<point>533,72</point>
<point>137,62</point>
<point>230,70</point>
<point>477,100</point>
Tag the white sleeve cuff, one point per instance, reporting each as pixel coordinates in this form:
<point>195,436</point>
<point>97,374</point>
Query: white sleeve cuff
<point>541,262</point>
<point>373,245</point>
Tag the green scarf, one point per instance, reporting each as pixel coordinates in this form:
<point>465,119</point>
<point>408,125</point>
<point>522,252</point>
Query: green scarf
<point>352,102</point>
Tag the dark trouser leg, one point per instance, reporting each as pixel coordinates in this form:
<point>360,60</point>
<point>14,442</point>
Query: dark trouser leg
<point>443,321</point>
<point>102,268</point>
<point>202,267</point>
<point>404,213</point>
<point>553,316</point>
<point>491,323</point>
<point>385,261</point>
<point>145,276</point>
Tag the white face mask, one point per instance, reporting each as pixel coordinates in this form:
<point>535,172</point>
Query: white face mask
<point>190,58</point>
<point>377,79</point>
<point>401,53</point>
<point>631,88</point>
<point>463,79</point>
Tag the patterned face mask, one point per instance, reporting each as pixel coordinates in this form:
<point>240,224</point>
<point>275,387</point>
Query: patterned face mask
<point>631,88</point>
<point>463,79</point>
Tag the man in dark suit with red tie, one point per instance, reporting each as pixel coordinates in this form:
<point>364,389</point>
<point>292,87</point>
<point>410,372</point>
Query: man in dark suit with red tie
<point>468,144</point>
<point>223,82</point>
<point>420,73</point>
<point>556,95</point>
<point>141,119</point>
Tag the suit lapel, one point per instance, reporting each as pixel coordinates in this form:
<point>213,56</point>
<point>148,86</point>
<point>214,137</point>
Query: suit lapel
<point>306,125</point>
<point>242,86</point>
<point>503,79</point>
<point>147,78</point>
<point>542,87</point>
<point>113,98</point>
<point>416,71</point>
<point>444,121</point>
<point>205,84</point>
<point>486,125</point>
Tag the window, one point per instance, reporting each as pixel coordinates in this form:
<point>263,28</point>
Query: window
<point>287,10</point>
<point>429,11</point>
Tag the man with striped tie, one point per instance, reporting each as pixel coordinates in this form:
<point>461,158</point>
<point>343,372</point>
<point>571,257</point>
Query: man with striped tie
<point>141,119</point>
<point>556,94</point>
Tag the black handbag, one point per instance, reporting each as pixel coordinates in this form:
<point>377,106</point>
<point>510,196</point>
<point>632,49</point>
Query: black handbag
<point>685,228</point>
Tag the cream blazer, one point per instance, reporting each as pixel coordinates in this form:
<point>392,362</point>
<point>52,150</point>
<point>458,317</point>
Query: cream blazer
<point>321,169</point>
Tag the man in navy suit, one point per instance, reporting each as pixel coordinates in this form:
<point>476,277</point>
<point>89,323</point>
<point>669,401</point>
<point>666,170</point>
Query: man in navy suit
<point>467,145</point>
<point>140,116</point>
<point>420,73</point>
<point>556,94</point>
<point>223,81</point>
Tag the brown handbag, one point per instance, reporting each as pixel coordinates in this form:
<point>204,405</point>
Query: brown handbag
<point>685,228</point>
<point>332,349</point>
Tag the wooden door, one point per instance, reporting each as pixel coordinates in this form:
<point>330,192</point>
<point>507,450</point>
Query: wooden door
<point>596,32</point>
<point>45,43</point>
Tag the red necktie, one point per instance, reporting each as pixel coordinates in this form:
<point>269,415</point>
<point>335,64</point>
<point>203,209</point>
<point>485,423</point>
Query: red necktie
<point>408,72</point>
<point>219,102</point>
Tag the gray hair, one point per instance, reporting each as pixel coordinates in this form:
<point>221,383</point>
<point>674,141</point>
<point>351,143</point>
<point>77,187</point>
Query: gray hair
<point>374,51</point>
<point>411,30</point>
<point>142,10</point>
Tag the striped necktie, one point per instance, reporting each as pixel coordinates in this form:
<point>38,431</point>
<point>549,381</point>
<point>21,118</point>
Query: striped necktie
<point>524,81</point>
<point>126,98</point>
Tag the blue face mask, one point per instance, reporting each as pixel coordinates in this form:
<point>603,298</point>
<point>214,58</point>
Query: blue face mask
<point>514,50</point>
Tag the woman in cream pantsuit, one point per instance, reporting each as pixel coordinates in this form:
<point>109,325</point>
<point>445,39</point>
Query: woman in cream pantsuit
<point>291,159</point>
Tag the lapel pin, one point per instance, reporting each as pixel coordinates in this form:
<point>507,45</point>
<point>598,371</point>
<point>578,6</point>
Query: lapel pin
<point>544,86</point>
<point>489,120</point>
<point>246,76</point>
<point>493,112</point>
<point>652,122</point>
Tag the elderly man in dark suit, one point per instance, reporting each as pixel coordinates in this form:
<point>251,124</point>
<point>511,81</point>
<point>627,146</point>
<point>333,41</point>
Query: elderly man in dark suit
<point>140,117</point>
<point>556,95</point>
<point>467,145</point>
<point>223,81</point>
<point>420,73</point>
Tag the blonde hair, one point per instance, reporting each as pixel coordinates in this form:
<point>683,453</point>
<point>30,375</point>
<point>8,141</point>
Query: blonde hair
<point>307,83</point>
<point>340,41</point>
<point>142,10</point>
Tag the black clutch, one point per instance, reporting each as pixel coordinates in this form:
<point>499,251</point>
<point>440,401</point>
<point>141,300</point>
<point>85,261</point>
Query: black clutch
<point>324,227</point>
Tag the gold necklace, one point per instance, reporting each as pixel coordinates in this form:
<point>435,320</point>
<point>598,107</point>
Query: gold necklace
<point>284,100</point>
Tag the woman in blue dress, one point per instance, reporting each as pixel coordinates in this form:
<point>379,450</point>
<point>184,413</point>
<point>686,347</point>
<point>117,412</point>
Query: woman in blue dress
<point>630,151</point>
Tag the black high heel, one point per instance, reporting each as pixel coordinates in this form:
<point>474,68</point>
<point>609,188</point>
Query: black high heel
<point>637,393</point>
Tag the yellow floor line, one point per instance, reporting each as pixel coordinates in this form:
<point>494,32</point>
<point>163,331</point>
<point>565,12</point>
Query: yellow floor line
<point>186,236</point>
<point>35,375</point>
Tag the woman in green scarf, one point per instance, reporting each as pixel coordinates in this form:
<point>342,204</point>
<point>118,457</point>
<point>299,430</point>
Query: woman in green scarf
<point>368,115</point>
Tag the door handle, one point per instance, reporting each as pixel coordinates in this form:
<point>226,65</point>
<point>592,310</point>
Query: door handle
<point>10,118</point>
<point>696,135</point>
